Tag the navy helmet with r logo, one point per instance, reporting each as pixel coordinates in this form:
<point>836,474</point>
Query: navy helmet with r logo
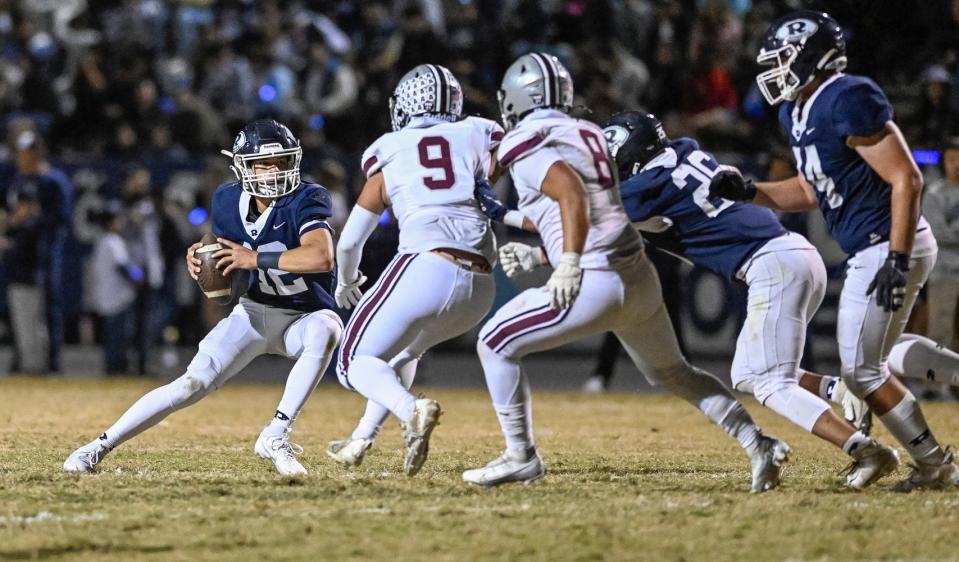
<point>633,138</point>
<point>266,159</point>
<point>799,47</point>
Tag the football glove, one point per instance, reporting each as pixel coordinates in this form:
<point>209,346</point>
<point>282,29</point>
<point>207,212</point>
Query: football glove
<point>488,202</point>
<point>890,282</point>
<point>564,283</point>
<point>348,294</point>
<point>519,258</point>
<point>493,208</point>
<point>730,184</point>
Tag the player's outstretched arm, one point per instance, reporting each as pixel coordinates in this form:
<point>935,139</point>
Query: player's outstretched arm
<point>790,195</point>
<point>888,154</point>
<point>361,223</point>
<point>566,187</point>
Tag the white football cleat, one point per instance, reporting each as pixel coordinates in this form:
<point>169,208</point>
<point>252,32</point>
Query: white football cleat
<point>87,457</point>
<point>767,463</point>
<point>871,462</point>
<point>416,434</point>
<point>932,476</point>
<point>348,452</point>
<point>277,448</point>
<point>854,409</point>
<point>509,467</point>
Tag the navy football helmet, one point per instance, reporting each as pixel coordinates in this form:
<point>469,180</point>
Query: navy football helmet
<point>261,140</point>
<point>634,138</point>
<point>799,47</point>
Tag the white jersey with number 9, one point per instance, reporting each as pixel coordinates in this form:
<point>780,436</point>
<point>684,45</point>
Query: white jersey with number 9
<point>430,168</point>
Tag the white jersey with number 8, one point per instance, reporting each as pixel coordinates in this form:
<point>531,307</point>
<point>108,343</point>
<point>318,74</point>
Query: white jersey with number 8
<point>430,169</point>
<point>529,150</point>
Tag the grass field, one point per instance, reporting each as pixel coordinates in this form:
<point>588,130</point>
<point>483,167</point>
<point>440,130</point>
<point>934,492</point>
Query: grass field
<point>631,477</point>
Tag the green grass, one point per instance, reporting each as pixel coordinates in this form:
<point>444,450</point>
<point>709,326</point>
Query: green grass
<point>631,477</point>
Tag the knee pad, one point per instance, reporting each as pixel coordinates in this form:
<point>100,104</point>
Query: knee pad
<point>198,381</point>
<point>862,382</point>
<point>771,383</point>
<point>321,334</point>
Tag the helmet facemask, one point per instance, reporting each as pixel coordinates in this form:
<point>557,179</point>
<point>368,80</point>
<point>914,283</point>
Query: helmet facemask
<point>779,83</point>
<point>271,184</point>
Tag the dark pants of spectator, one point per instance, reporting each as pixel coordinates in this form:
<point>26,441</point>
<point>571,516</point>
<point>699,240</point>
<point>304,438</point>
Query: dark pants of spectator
<point>117,330</point>
<point>146,326</point>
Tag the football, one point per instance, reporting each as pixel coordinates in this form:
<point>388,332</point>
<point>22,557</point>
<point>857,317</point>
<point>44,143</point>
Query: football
<point>221,289</point>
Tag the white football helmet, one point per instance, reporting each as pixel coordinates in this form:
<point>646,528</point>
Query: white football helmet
<point>428,89</point>
<point>534,81</point>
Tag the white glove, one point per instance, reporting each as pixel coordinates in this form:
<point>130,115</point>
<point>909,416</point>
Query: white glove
<point>518,258</point>
<point>564,283</point>
<point>348,294</point>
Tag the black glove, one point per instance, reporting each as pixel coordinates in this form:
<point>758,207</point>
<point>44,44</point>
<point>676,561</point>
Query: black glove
<point>731,185</point>
<point>890,282</point>
<point>488,203</point>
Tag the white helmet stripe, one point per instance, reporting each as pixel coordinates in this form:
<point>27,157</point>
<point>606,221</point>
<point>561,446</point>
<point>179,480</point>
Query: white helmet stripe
<point>547,81</point>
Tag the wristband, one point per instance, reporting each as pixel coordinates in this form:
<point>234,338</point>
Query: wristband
<point>514,219</point>
<point>268,260</point>
<point>900,259</point>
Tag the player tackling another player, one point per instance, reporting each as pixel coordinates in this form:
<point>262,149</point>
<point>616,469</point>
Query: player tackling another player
<point>275,226</point>
<point>855,165</point>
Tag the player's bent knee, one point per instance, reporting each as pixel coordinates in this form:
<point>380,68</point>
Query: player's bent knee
<point>769,384</point>
<point>198,381</point>
<point>321,334</point>
<point>863,382</point>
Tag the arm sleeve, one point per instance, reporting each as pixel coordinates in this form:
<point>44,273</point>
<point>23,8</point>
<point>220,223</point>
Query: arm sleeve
<point>314,211</point>
<point>360,224</point>
<point>861,111</point>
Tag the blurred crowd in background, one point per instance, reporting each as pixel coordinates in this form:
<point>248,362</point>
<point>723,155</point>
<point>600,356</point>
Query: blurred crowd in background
<point>114,113</point>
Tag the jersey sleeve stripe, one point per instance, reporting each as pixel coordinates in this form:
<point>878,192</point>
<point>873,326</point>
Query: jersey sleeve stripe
<point>312,225</point>
<point>515,152</point>
<point>370,162</point>
<point>496,136</point>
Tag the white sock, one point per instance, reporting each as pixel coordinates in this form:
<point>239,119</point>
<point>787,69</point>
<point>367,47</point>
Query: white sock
<point>516,420</point>
<point>827,387</point>
<point>907,424</point>
<point>708,395</point>
<point>796,405</point>
<point>304,376</point>
<point>855,441</point>
<point>375,415</point>
<point>918,357</point>
<point>151,409</point>
<point>509,389</point>
<point>376,380</point>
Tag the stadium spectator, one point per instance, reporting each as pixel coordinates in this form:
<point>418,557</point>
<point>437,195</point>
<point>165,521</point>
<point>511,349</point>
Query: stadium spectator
<point>39,207</point>
<point>115,280</point>
<point>941,208</point>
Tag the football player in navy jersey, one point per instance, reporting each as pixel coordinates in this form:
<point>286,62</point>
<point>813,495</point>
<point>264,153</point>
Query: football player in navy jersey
<point>664,185</point>
<point>274,226</point>
<point>855,165</point>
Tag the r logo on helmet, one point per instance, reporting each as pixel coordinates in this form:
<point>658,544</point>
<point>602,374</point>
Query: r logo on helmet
<point>796,29</point>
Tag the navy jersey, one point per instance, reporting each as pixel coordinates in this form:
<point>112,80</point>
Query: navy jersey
<point>854,200</point>
<point>276,230</point>
<point>671,195</point>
